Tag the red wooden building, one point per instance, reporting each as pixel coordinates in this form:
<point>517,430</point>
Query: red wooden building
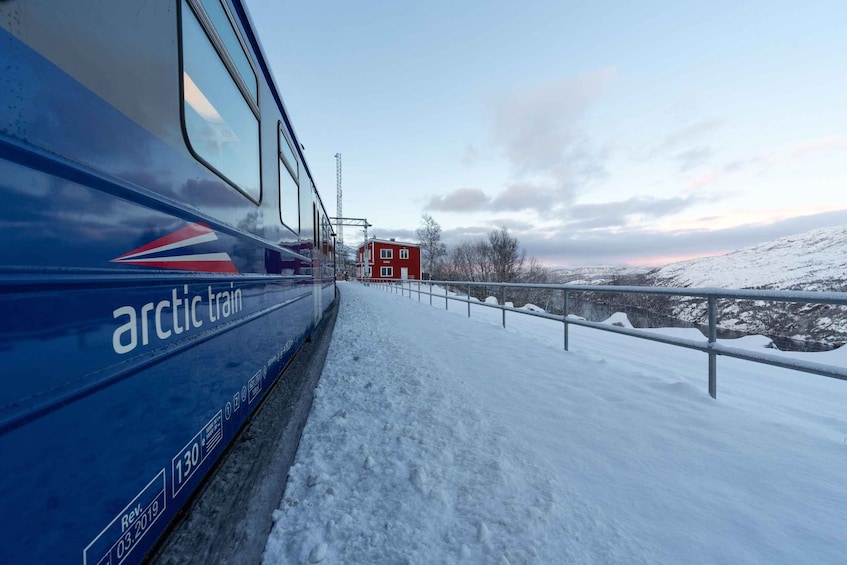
<point>389,259</point>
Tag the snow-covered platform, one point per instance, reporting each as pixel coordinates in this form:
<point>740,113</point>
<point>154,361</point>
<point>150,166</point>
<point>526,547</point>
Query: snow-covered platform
<point>435,438</point>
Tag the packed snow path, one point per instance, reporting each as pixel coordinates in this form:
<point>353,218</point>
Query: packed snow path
<point>440,439</point>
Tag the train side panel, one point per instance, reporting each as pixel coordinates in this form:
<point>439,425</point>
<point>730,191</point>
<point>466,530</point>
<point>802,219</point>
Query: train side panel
<point>149,302</point>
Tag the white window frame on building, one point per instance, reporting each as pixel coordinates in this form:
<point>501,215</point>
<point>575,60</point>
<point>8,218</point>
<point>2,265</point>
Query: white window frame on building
<point>386,254</point>
<point>386,272</point>
<point>404,253</point>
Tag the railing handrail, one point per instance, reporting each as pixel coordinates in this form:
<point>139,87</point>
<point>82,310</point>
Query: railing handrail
<point>710,294</point>
<point>798,296</point>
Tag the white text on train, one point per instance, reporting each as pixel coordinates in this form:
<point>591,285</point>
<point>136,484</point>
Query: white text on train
<point>182,310</point>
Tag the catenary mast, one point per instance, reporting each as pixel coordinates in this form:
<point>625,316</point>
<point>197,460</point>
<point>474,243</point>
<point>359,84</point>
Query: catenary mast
<point>339,227</point>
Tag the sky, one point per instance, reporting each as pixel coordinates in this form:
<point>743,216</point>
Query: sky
<point>598,133</point>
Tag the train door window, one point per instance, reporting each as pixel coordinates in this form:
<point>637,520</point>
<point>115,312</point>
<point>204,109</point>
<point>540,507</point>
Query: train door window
<point>325,234</point>
<point>289,183</point>
<point>222,127</point>
<point>314,221</point>
<point>386,253</point>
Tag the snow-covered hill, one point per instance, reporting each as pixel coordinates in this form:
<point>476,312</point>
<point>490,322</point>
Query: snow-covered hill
<point>815,260</point>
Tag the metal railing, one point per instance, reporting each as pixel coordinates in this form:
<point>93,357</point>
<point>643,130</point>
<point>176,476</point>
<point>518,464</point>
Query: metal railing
<point>711,295</point>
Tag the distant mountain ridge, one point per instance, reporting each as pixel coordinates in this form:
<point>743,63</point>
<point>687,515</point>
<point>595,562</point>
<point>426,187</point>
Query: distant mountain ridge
<point>815,260</point>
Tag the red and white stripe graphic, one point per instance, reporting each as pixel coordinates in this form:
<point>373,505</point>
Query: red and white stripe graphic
<point>193,234</point>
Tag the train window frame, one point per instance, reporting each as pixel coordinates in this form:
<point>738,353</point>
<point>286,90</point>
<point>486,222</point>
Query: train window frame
<point>293,171</point>
<point>191,12</point>
<point>225,46</point>
<point>289,157</point>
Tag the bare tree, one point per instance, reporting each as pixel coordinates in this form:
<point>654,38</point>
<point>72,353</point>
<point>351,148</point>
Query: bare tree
<point>462,263</point>
<point>507,258</point>
<point>432,249</point>
<point>497,258</point>
<point>535,273</point>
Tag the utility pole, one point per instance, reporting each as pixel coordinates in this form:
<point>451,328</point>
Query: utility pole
<point>339,226</point>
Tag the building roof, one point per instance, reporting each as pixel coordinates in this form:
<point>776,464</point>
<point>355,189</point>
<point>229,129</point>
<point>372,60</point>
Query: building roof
<point>390,242</point>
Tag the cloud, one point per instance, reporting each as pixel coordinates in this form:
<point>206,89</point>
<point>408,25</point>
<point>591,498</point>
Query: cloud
<point>649,247</point>
<point>685,146</point>
<point>692,158</point>
<point>516,197</point>
<point>703,180</point>
<point>767,160</point>
<point>470,156</point>
<point>537,128</point>
<point>512,224</point>
<point>398,234</point>
<point>550,203</point>
<point>814,146</point>
<point>689,134</point>
<point>460,200</point>
<point>615,214</point>
<point>525,196</point>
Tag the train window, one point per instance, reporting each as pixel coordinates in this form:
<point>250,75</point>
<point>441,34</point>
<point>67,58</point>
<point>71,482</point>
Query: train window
<point>226,31</point>
<point>221,127</point>
<point>289,191</point>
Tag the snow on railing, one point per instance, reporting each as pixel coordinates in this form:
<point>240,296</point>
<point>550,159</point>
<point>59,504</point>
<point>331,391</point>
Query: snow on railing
<point>711,295</point>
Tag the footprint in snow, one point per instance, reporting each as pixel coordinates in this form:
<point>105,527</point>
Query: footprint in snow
<point>313,480</point>
<point>438,496</point>
<point>318,553</point>
<point>483,534</point>
<point>418,478</point>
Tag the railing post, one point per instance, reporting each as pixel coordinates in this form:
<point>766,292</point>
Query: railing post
<point>419,290</point>
<point>713,336</point>
<point>445,298</point>
<point>565,316</point>
<point>430,294</point>
<point>503,295</point>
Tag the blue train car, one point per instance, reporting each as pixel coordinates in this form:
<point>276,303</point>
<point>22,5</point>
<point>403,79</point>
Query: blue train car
<point>164,254</point>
